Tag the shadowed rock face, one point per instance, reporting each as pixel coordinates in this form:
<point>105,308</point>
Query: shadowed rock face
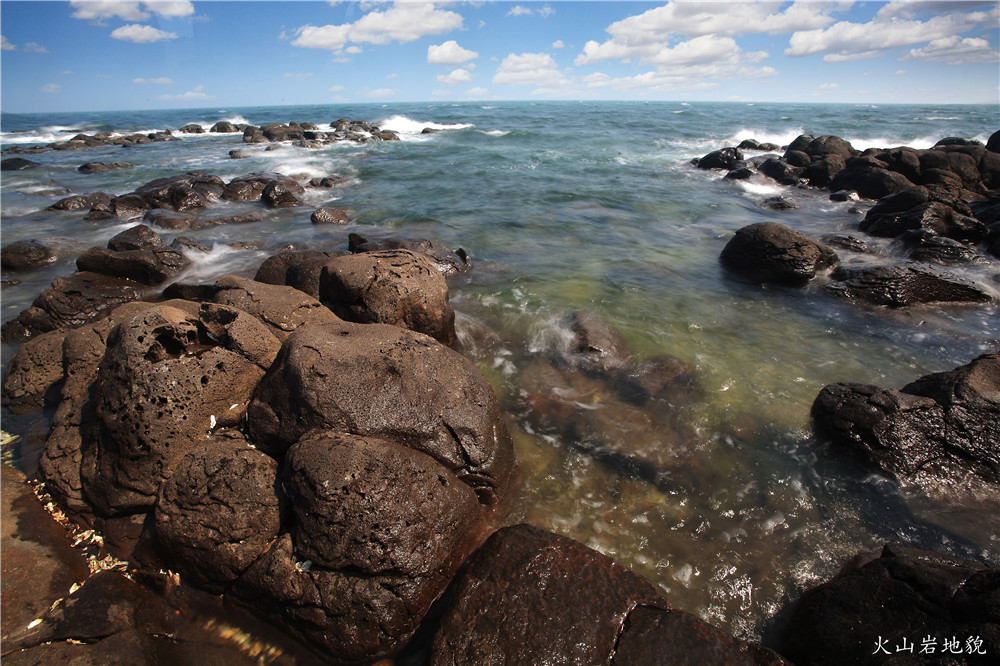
<point>532,597</point>
<point>774,253</point>
<point>384,381</point>
<point>938,429</point>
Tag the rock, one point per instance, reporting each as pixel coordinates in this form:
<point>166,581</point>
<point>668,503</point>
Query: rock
<point>938,429</point>
<point>821,171</point>
<point>740,173</point>
<point>943,251</point>
<point>25,254</point>
<point>240,154</point>
<point>773,253</point>
<point>993,143</point>
<point>869,178</point>
<point>397,287</point>
<point>779,203</point>
<point>849,243</point>
<point>224,126</point>
<point>167,381</point>
<point>822,146</point>
<point>662,378</point>
<point>595,347</point>
<point>17,164</point>
<point>904,285</point>
<point>81,201</point>
<point>446,260</point>
<point>251,186</point>
<point>844,195</point>
<point>327,181</point>
<point>781,171</point>
<point>282,132</point>
<point>34,374</point>
<point>276,195</point>
<point>129,207</point>
<point>305,275</point>
<point>219,511</point>
<point>167,219</point>
<point>753,144</point>
<point>71,301</point>
<point>935,216</point>
<point>881,602</point>
<point>720,159</point>
<point>283,309</point>
<point>533,597</point>
<point>379,530</point>
<point>329,216</point>
<point>192,128</point>
<point>103,167</point>
<point>182,191</point>
<point>137,254</point>
<point>391,383</point>
<point>796,158</point>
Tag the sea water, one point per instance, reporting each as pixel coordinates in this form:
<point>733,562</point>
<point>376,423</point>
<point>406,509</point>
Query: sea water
<point>596,207</point>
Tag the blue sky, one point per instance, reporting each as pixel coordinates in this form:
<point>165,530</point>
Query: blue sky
<point>87,56</point>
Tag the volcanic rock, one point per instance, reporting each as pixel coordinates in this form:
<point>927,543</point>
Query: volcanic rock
<point>774,253</point>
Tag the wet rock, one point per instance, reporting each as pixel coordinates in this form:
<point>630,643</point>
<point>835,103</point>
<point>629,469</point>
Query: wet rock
<point>17,164</point>
<point>25,254</point>
<point>240,154</point>
<point>164,385</point>
<point>167,219</point>
<point>529,596</point>
<point>391,383</point>
<point>446,260</point>
<point>329,216</point>
<point>225,127</point>
<point>103,167</point>
<point>851,243</point>
<point>219,510</point>
<point>595,347</point>
<point>662,378</point>
<point>821,171</point>
<point>935,216</point>
<point>781,171</point>
<point>126,207</point>
<point>137,254</point>
<point>774,253</point>
<point>822,146</point>
<point>753,144</point>
<point>740,173</point>
<point>182,191</point>
<point>397,287</point>
<point>251,186</point>
<point>274,270</point>
<point>277,195</point>
<point>943,251</point>
<point>283,309</point>
<point>904,285</point>
<point>901,596</point>
<point>72,301</point>
<point>938,429</point>
<point>379,530</point>
<point>327,181</point>
<point>721,159</point>
<point>192,128</point>
<point>779,203</point>
<point>869,178</point>
<point>796,158</point>
<point>81,201</point>
<point>34,374</point>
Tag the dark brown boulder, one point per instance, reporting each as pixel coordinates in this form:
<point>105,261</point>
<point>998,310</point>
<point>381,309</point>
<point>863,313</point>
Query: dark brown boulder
<point>595,347</point>
<point>34,374</point>
<point>219,510</point>
<point>250,186</point>
<point>880,603</point>
<point>390,383</point>
<point>70,302</point>
<point>533,597</point>
<point>167,219</point>
<point>81,201</point>
<point>936,430</point>
<point>282,309</point>
<point>397,287</point>
<point>167,381</point>
<point>774,253</point>
<point>25,254</point>
<point>821,171</point>
<point>781,171</point>
<point>329,216</point>
<point>17,164</point>
<point>103,167</point>
<point>943,251</point>
<point>224,126</point>
<point>379,529</point>
<point>905,285</point>
<point>869,178</point>
<point>137,254</point>
<point>276,195</point>
<point>721,159</point>
<point>446,260</point>
<point>822,146</point>
<point>182,191</point>
<point>275,268</point>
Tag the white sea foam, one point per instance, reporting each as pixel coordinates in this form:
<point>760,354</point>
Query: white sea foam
<point>495,132</point>
<point>411,129</point>
<point>763,189</point>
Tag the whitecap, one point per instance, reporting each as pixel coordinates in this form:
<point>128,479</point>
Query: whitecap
<point>495,132</point>
<point>408,128</point>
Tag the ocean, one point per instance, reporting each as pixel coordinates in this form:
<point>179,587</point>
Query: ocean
<point>596,207</point>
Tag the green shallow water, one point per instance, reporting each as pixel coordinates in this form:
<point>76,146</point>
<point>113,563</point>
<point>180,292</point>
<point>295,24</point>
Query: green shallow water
<point>595,207</point>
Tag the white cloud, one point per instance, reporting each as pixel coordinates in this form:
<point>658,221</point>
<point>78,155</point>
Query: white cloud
<point>141,34</point>
<point>34,47</point>
<point>403,22</point>
<point>354,50</point>
<point>198,94</point>
<point>456,77</point>
<point>159,81</point>
<point>335,89</point>
<point>99,10</point>
<point>477,92</point>
<point>955,51</point>
<point>449,53</point>
<point>706,49</point>
<point>50,88</point>
<point>846,41</point>
<point>538,69</point>
<point>558,44</point>
<point>828,86</point>
<point>6,45</point>
<point>298,76</point>
<point>520,10</point>
<point>379,93</point>
<point>392,76</point>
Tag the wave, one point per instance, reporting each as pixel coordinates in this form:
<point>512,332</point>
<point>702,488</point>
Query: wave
<point>408,128</point>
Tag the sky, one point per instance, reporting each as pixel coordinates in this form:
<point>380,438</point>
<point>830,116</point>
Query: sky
<point>85,55</point>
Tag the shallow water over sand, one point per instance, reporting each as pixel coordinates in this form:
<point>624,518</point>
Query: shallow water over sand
<point>595,207</point>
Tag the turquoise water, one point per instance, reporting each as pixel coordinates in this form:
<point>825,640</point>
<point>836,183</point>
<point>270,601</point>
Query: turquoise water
<point>567,206</point>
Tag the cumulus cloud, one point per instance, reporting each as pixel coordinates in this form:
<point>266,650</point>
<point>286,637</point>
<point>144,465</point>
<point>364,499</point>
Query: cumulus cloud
<point>403,22</point>
<point>158,81</point>
<point>558,44</point>
<point>195,95</point>
<point>449,53</point>
<point>955,50</point>
<point>6,45</point>
<point>100,10</point>
<point>456,77</point>
<point>520,10</point>
<point>847,41</point>
<point>50,88</point>
<point>141,34</point>
<point>477,92</point>
<point>538,69</point>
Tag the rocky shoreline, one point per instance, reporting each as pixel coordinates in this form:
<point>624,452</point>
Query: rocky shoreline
<point>312,447</point>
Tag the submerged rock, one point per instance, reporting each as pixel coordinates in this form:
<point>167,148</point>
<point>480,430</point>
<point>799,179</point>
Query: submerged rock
<point>905,285</point>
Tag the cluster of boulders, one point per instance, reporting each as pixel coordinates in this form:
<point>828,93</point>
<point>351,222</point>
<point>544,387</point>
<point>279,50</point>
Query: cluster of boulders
<point>940,205</point>
<point>308,135</point>
<point>83,141</point>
